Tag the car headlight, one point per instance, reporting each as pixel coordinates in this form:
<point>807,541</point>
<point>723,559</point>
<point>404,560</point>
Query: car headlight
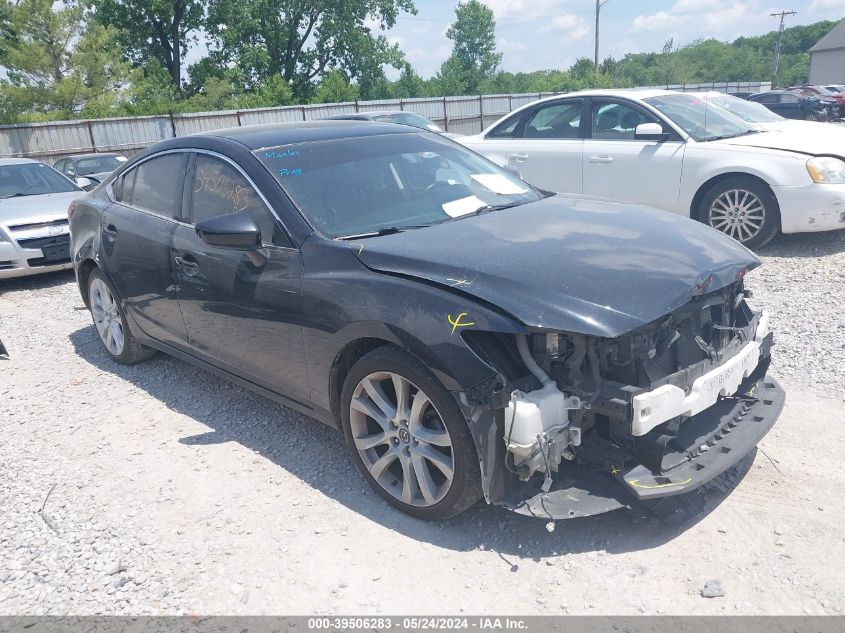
<point>827,170</point>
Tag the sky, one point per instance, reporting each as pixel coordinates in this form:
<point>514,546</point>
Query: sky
<point>546,34</point>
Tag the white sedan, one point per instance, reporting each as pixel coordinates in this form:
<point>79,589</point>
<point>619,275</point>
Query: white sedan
<point>675,151</point>
<point>34,234</point>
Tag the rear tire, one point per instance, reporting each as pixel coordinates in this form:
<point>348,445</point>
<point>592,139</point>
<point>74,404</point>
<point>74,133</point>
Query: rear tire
<point>742,208</point>
<point>811,116</point>
<point>408,436</point>
<point>110,322</point>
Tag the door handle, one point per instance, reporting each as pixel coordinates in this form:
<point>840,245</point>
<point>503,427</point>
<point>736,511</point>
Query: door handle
<point>189,266</point>
<point>601,160</point>
<point>519,158</point>
<point>110,230</point>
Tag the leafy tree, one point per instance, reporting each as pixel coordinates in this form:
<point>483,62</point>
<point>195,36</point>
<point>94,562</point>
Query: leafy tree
<point>409,84</point>
<point>474,57</point>
<point>7,33</point>
<point>154,29</point>
<point>57,66</point>
<point>300,41</point>
<point>335,88</point>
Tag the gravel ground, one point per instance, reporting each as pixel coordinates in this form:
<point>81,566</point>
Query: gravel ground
<point>160,489</point>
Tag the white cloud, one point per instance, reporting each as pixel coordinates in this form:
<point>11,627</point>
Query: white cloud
<point>659,21</point>
<point>524,9</point>
<point>693,6</point>
<point>573,26</point>
<point>823,5</point>
<point>511,45</point>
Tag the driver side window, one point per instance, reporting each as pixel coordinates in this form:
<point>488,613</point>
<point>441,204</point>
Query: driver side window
<point>616,121</point>
<point>219,189</point>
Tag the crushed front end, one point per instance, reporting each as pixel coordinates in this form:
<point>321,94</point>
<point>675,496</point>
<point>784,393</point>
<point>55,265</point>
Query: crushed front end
<point>577,425</point>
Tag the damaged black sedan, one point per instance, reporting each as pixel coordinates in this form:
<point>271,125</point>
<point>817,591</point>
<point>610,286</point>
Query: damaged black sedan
<point>471,335</point>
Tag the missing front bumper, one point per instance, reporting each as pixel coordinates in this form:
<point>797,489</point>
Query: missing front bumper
<point>714,441</point>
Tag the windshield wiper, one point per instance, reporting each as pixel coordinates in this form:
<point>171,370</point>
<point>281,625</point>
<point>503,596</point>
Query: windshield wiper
<point>387,230</point>
<point>16,195</point>
<point>724,136</point>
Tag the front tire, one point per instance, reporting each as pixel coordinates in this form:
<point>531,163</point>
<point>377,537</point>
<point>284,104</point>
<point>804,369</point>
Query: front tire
<point>742,208</point>
<point>110,322</point>
<point>408,436</point>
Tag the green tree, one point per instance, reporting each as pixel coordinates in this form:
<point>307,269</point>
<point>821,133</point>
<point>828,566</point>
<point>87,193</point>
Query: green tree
<point>154,29</point>
<point>335,88</point>
<point>58,67</point>
<point>409,84</point>
<point>301,41</point>
<point>7,33</point>
<point>474,58</point>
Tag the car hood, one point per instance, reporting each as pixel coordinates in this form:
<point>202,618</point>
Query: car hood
<point>34,208</point>
<point>830,139</point>
<point>566,263</point>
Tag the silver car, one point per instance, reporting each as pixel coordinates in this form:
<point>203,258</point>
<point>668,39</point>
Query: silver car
<point>34,235</point>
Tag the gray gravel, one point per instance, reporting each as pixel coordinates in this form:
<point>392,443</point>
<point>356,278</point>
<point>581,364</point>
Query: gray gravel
<point>802,284</point>
<point>177,492</point>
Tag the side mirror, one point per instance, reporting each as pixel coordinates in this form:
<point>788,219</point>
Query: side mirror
<point>650,132</point>
<point>86,183</point>
<point>237,231</point>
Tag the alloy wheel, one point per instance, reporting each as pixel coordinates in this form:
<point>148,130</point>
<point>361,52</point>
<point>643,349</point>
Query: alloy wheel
<point>738,213</point>
<point>107,317</point>
<point>401,439</point>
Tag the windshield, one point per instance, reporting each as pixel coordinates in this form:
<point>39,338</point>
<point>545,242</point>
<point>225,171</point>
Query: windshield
<point>32,179</point>
<point>354,186</point>
<point>98,164</point>
<point>748,111</point>
<point>701,120</point>
<point>409,118</point>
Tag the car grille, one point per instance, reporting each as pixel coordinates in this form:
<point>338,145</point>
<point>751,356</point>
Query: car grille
<point>38,225</point>
<point>55,249</point>
<point>6,264</point>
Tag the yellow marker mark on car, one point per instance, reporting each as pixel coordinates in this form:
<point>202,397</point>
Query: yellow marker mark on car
<point>459,282</point>
<point>459,322</point>
<point>614,470</point>
<point>635,483</point>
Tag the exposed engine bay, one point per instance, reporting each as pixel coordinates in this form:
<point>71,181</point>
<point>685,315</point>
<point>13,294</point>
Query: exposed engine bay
<point>643,402</point>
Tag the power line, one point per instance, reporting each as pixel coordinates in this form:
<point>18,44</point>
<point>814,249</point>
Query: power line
<point>782,15</point>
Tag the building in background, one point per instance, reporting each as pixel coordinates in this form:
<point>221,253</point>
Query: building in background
<point>827,58</point>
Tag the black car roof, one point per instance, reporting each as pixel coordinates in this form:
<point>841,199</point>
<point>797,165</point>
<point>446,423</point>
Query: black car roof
<point>273,135</point>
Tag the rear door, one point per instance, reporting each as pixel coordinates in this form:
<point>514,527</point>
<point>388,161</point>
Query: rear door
<point>619,167</point>
<point>135,235</point>
<point>241,317</point>
<point>543,145</point>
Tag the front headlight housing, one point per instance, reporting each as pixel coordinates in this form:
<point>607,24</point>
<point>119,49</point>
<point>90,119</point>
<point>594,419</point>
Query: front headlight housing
<point>827,170</point>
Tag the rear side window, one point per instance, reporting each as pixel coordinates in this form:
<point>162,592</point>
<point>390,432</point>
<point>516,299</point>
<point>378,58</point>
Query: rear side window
<point>158,185</point>
<point>219,188</point>
<point>507,128</point>
<point>556,120</point>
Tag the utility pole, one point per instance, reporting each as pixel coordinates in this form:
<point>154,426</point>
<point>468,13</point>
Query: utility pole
<point>599,5</point>
<point>782,15</point>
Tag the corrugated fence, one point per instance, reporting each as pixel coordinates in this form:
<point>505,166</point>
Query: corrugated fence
<point>463,115</point>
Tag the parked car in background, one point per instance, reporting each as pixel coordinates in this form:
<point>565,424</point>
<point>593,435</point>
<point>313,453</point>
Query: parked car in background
<point>793,105</point>
<point>837,88</point>
<point>761,117</point>
<point>471,335</point>
<point>94,167</point>
<point>34,200</point>
<point>834,99</point>
<point>394,116</point>
<point>672,151</point>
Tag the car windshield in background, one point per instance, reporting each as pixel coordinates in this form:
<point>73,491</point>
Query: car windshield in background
<point>409,118</point>
<point>98,165</point>
<point>358,186</point>
<point>32,179</point>
<point>746,110</point>
<point>698,118</point>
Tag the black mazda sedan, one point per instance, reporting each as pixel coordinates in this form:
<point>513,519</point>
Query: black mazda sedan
<point>471,335</point>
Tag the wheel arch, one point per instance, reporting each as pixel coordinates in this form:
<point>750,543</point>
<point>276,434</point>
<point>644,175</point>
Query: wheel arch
<point>351,353</point>
<point>83,273</point>
<point>694,210</point>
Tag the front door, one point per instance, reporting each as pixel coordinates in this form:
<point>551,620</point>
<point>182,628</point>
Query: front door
<point>135,234</point>
<point>619,167</point>
<point>241,317</point>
